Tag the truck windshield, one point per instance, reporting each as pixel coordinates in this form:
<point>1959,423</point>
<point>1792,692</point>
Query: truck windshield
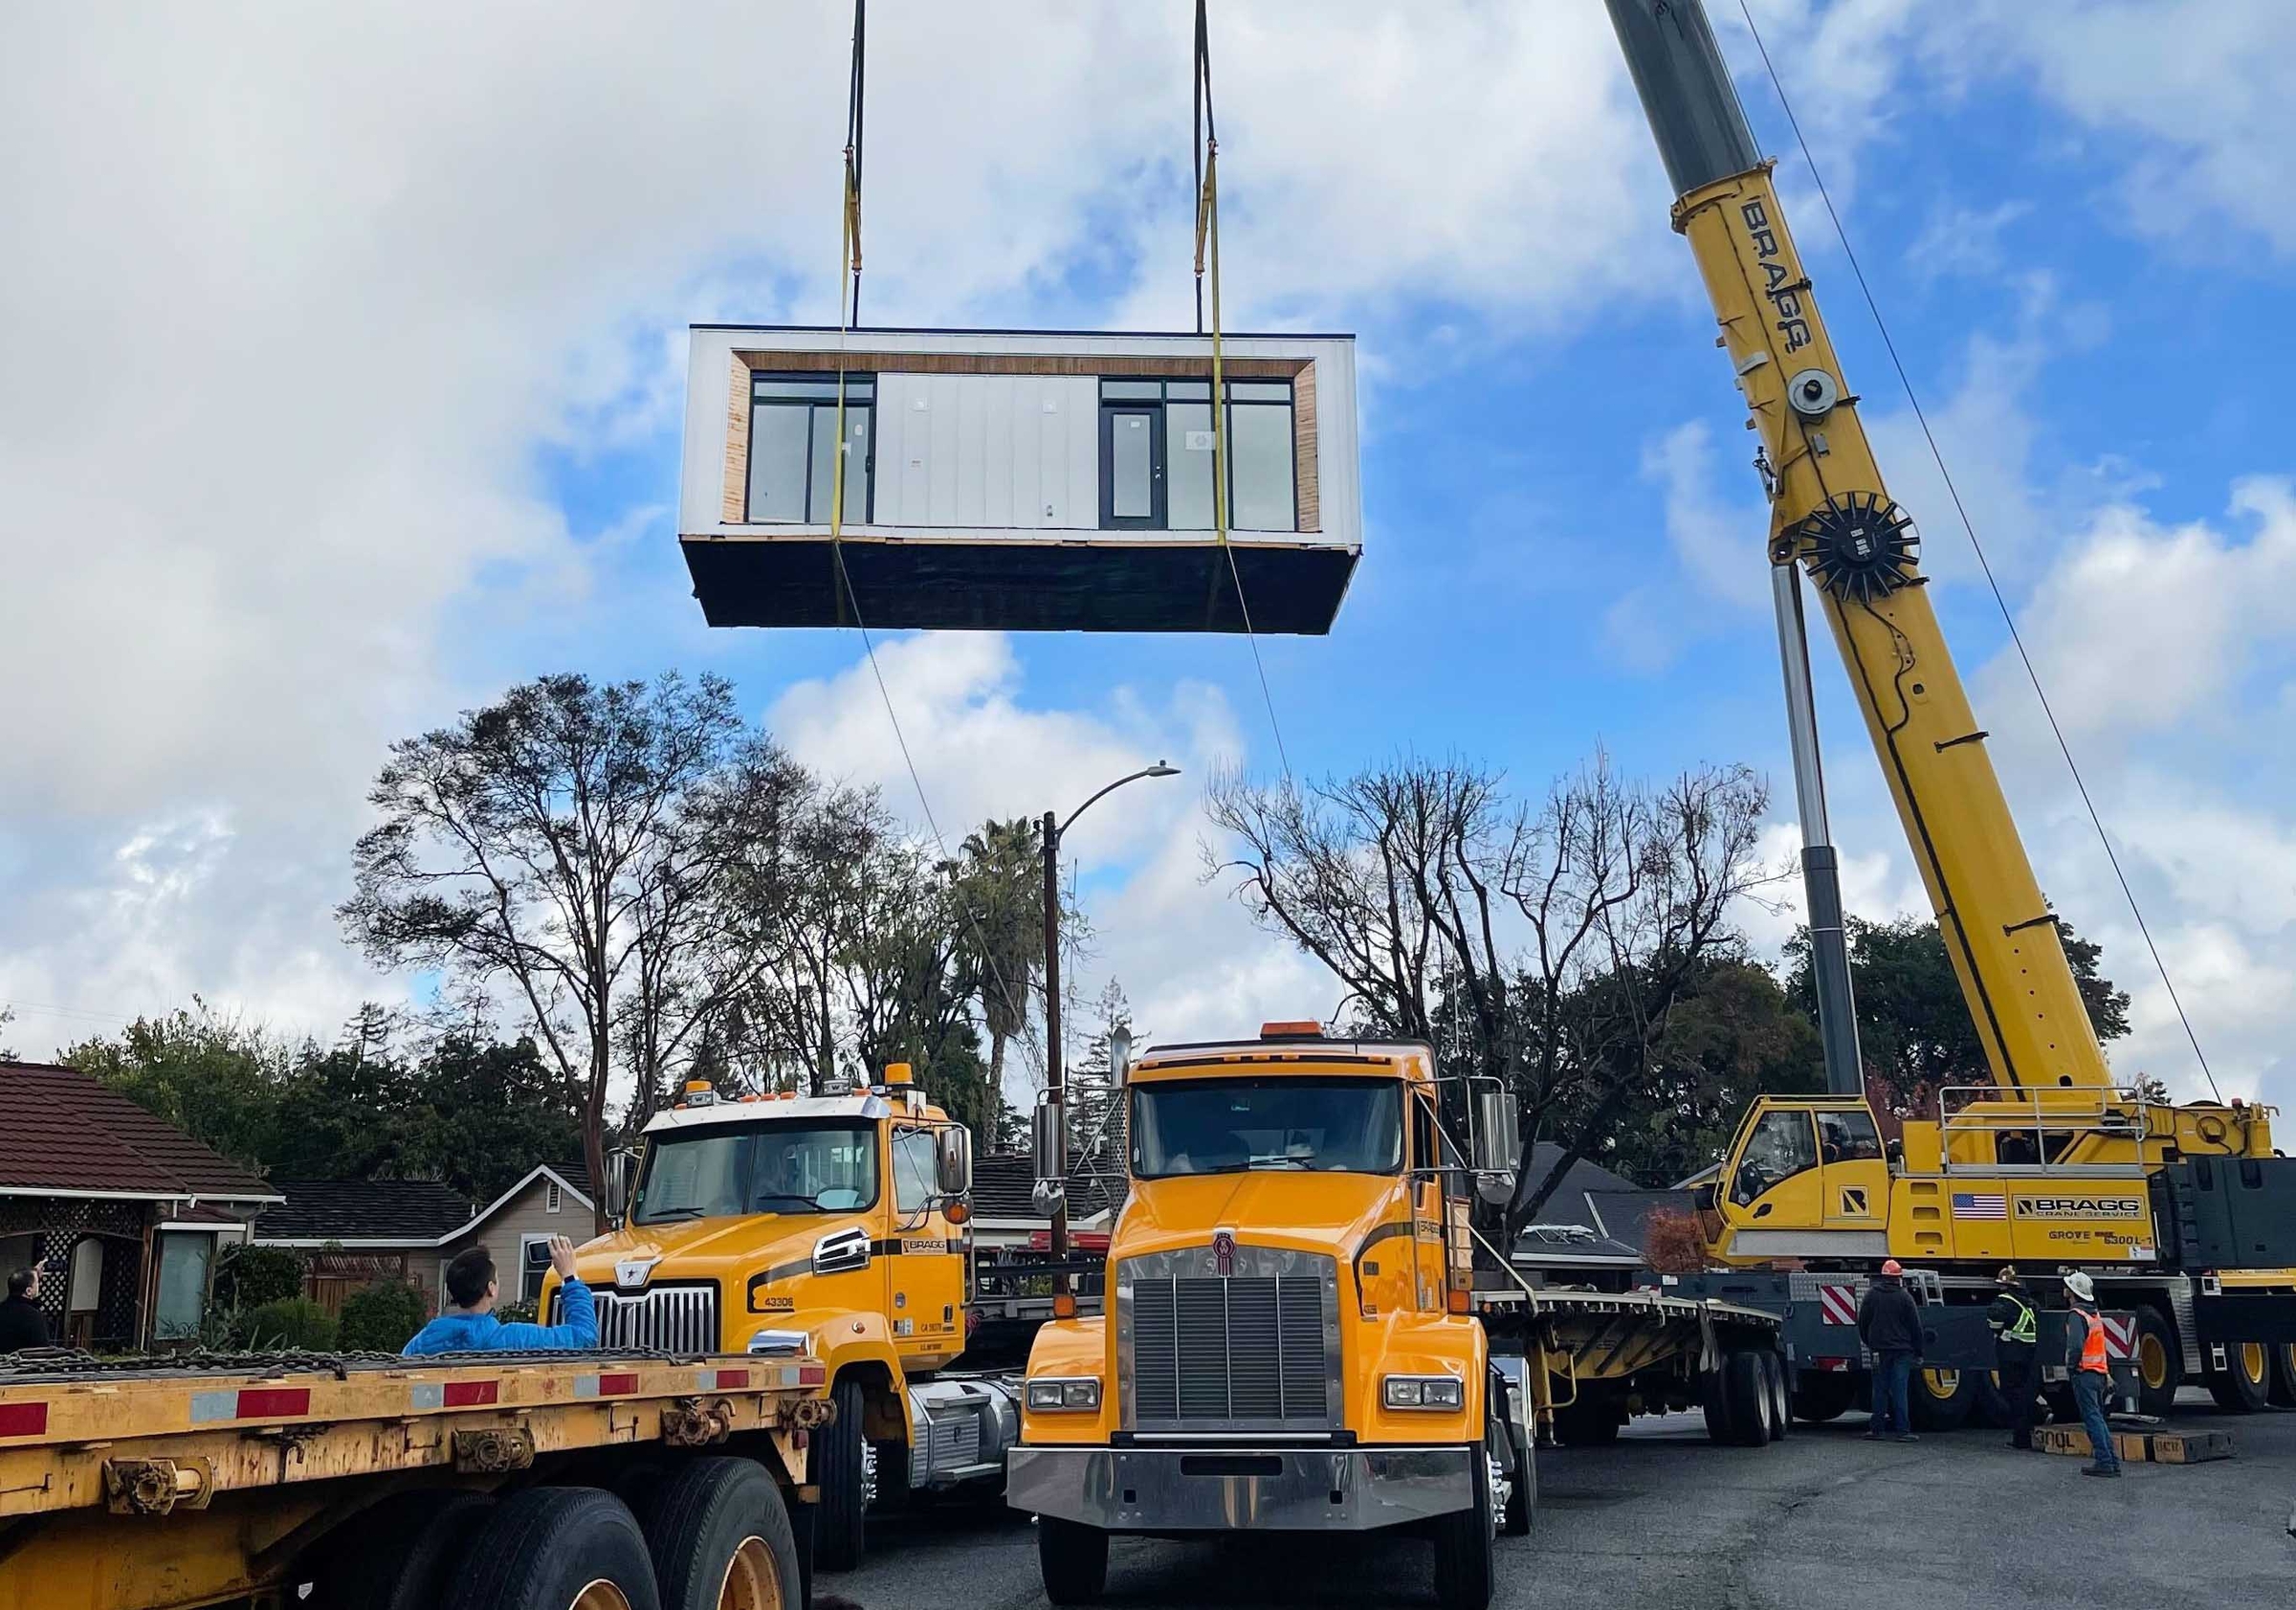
<point>1227,1126</point>
<point>726,1171</point>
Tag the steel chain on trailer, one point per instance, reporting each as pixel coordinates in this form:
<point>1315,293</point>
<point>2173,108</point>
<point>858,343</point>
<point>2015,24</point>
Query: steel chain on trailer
<point>46,1362</point>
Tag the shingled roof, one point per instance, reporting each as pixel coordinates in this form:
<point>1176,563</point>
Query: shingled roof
<point>63,1130</point>
<point>413,1210</point>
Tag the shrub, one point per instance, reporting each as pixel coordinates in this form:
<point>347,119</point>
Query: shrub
<point>291,1323</point>
<point>515,1314</point>
<point>248,1276</point>
<point>382,1317</point>
<point>1672,1242</point>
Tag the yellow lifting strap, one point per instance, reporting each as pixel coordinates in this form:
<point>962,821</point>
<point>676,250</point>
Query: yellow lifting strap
<point>1208,244</point>
<point>848,296</point>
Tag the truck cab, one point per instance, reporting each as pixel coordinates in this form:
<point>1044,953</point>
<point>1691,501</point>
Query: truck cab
<point>830,1227</point>
<point>1288,1342</point>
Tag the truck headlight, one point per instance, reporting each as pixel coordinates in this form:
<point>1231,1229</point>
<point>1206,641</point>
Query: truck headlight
<point>785,1343</point>
<point>1053,1392</point>
<point>1423,1392</point>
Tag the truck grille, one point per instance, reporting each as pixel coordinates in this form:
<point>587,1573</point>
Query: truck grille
<point>1245,1351</point>
<point>670,1319</point>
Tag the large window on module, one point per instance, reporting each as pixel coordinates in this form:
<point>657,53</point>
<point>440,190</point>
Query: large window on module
<point>1157,452</point>
<point>793,448</point>
<point>724,1171</point>
<point>1291,1124</point>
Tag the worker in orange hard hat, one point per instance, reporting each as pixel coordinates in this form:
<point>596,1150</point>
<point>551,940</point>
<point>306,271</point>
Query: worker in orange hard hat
<point>1889,1325</point>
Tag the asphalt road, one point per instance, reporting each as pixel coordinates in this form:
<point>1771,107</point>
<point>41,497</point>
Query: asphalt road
<point>1665,1518</point>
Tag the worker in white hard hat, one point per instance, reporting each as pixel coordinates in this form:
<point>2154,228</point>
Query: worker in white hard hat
<point>2092,1373</point>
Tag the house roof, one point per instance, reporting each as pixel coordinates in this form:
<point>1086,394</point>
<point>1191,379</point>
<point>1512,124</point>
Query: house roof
<point>65,1132</point>
<point>416,1211</point>
<point>372,1213</point>
<point>1624,1215</point>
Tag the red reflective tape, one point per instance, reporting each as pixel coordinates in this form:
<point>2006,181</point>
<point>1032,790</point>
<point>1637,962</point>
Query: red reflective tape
<point>812,1375</point>
<point>270,1402</point>
<point>464,1394</point>
<point>23,1419</point>
<point>729,1380</point>
<point>619,1384</point>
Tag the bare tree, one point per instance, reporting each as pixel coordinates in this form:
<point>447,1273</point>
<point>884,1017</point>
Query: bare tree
<point>1540,947</point>
<point>548,843</point>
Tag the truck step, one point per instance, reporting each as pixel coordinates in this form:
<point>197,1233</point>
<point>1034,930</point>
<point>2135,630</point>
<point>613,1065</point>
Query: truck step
<point>2141,1448</point>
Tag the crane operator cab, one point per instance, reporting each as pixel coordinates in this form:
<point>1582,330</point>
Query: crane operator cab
<point>1806,1177</point>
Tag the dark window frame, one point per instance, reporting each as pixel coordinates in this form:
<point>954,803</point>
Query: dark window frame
<point>865,403</point>
<point>1161,447</point>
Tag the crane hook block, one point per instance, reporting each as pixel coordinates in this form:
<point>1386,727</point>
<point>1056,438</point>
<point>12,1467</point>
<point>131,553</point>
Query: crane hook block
<point>1860,545</point>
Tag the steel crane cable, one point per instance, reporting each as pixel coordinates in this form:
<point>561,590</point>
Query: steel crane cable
<point>849,305</point>
<point>1969,528</point>
<point>1207,152</point>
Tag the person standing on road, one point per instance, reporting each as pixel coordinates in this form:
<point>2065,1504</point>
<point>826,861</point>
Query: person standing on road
<point>469,1324</point>
<point>2091,1376</point>
<point>2014,1332</point>
<point>21,1323</point>
<point>1889,1325</point>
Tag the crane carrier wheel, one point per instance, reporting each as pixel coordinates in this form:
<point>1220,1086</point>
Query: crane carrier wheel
<point>2244,1384</point>
<point>2283,1376</point>
<point>1940,1400</point>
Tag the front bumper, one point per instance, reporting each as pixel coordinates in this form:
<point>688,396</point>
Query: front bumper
<point>1240,1488</point>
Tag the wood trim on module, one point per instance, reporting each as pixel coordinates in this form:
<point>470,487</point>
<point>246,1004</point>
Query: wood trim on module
<point>734,506</point>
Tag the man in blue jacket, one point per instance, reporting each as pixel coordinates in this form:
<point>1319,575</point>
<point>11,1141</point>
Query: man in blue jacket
<point>469,1324</point>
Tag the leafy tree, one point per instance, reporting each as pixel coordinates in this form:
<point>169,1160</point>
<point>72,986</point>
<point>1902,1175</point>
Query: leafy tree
<point>552,843</point>
<point>382,1317</point>
<point>288,1325</point>
<point>1000,942</point>
<point>483,1112</point>
<point>213,1076</point>
<point>248,1276</point>
<point>1914,1023</point>
<point>1094,1103</point>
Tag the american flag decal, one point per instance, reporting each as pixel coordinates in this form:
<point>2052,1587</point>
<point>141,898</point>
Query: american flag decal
<point>1980,1204</point>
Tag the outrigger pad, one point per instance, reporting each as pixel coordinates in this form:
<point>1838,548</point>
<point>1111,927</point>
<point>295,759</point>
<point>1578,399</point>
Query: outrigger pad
<point>1098,584</point>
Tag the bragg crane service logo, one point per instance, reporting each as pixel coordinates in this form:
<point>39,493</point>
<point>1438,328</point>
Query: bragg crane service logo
<point>2080,1207</point>
<point>1779,281</point>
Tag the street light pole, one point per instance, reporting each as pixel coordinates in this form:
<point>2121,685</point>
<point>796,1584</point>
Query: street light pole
<point>1055,1072</point>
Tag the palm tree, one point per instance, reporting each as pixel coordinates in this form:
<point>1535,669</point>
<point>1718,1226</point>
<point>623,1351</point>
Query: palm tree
<point>1000,942</point>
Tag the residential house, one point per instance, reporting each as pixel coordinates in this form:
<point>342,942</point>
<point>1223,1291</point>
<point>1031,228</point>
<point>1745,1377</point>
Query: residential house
<point>359,1231</point>
<point>130,1210</point>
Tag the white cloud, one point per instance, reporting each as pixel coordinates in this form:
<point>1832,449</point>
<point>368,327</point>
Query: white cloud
<point>1721,563</point>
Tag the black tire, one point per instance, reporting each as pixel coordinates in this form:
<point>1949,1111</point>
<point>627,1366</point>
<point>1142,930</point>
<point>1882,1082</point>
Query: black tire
<point>542,1547</point>
<point>1073,1558</point>
<point>721,1535</point>
<point>2159,1363</point>
<point>893,1494</point>
<point>1781,1407</point>
<point>838,1466</point>
<point>1465,1547</point>
<point>2283,1376</point>
<point>1938,1400</point>
<point>400,1554</point>
<point>1522,1490</point>
<point>1586,1426</point>
<point>2244,1384</point>
<point>1821,1396</point>
<point>1746,1396</point>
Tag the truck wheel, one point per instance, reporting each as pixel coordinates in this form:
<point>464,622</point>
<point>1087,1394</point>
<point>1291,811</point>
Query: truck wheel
<point>2244,1384</point>
<point>841,1461</point>
<point>1821,1396</point>
<point>400,1554</point>
<point>1522,1500</point>
<point>1781,1410</point>
<point>1746,1399</point>
<point>2283,1376</point>
<point>1073,1558</point>
<point>720,1539</point>
<point>1940,1400</point>
<point>557,1548</point>
<point>1465,1553</point>
<point>1586,1426</point>
<point>2159,1363</point>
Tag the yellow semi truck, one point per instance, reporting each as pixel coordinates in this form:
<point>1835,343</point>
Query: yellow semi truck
<point>824,1227</point>
<point>612,1480</point>
<point>1300,1335</point>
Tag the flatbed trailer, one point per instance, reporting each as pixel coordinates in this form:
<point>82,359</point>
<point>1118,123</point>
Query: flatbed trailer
<point>1583,1363</point>
<point>473,1480</point>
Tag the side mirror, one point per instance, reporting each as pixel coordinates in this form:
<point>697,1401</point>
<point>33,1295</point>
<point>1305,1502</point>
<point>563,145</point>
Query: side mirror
<point>1119,1055</point>
<point>1049,1155</point>
<point>953,1159</point>
<point>620,1168</point>
<point>1498,1143</point>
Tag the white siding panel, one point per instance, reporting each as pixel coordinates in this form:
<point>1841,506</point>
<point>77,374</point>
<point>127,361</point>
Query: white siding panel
<point>996,457</point>
<point>905,427</point>
<point>1026,466</point>
<point>947,398</point>
<point>1082,407</point>
<point>973,405</point>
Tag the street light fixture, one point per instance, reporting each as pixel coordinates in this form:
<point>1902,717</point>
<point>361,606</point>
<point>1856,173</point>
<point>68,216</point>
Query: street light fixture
<point>1055,1081</point>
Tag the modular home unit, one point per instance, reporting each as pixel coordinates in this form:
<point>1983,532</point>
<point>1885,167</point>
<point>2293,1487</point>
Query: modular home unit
<point>1019,480</point>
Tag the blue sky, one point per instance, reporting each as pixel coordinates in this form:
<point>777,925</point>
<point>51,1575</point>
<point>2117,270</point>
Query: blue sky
<point>418,342</point>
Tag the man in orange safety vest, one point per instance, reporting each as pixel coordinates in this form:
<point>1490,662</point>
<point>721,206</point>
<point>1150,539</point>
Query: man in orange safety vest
<point>2092,1375</point>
